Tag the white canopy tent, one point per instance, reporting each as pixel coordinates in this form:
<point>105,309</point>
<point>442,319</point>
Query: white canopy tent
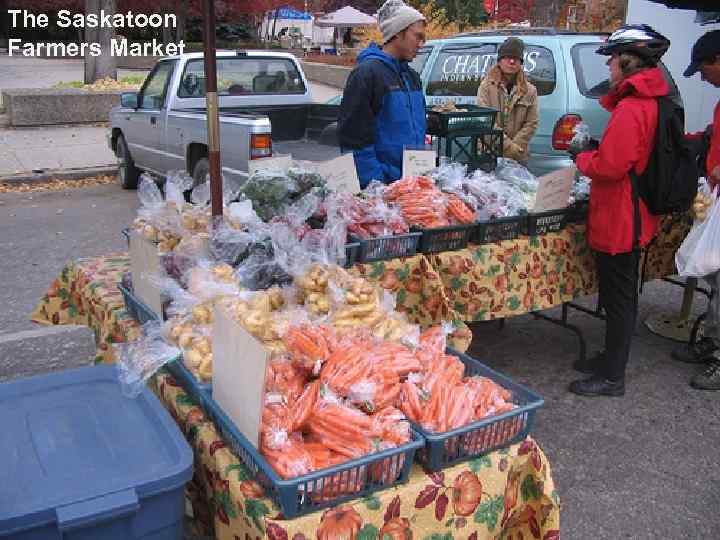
<point>347,17</point>
<point>343,19</point>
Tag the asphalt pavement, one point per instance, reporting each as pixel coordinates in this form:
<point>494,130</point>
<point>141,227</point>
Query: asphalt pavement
<point>644,466</point>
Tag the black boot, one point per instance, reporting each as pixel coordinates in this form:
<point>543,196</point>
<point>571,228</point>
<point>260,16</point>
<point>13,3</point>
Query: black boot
<point>587,365</point>
<point>598,386</point>
<point>699,353</point>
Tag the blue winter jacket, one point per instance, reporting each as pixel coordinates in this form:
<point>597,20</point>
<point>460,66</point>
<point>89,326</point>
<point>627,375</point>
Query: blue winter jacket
<point>382,111</point>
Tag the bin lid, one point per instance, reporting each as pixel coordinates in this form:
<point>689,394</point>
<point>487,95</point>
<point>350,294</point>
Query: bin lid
<point>72,436</point>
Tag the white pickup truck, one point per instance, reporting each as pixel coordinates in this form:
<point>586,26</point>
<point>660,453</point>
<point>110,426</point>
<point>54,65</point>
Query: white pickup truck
<point>263,97</point>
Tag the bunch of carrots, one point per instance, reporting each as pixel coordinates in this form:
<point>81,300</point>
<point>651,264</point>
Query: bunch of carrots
<point>371,217</point>
<point>424,205</point>
<point>442,398</point>
<point>336,397</point>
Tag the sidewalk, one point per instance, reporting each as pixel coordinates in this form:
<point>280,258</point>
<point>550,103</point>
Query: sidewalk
<point>27,150</point>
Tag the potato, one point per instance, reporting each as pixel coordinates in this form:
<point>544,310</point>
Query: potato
<point>193,358</point>
<point>202,345</point>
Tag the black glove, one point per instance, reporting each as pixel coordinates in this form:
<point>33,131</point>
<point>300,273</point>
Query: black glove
<point>585,146</point>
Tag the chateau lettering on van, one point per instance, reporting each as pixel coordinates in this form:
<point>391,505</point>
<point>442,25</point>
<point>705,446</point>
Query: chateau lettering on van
<point>472,67</point>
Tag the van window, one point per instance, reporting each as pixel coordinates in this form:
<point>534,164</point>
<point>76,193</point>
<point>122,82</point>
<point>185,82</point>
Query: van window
<point>241,76</point>
<point>418,64</point>
<point>592,72</point>
<point>459,69</point>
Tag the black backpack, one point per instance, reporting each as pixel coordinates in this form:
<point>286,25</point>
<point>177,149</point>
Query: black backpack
<point>670,180</point>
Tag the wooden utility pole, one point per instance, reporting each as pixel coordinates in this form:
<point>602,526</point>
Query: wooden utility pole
<point>213,121</point>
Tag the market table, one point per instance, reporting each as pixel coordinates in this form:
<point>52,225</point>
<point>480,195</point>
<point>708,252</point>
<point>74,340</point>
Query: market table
<point>505,492</point>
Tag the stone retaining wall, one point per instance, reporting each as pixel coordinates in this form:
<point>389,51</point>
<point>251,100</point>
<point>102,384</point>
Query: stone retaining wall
<point>36,107</point>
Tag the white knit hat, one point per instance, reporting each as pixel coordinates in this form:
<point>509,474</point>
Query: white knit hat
<point>395,16</point>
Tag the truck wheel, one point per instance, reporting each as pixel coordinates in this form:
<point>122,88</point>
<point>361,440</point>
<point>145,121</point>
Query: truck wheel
<point>127,171</point>
<point>200,171</point>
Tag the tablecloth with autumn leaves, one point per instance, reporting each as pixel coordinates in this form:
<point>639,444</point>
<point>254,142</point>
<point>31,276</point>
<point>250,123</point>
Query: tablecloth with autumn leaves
<point>506,494</point>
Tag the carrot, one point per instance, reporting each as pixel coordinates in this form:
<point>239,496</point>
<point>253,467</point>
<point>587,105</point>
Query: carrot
<point>303,408</point>
<point>458,210</point>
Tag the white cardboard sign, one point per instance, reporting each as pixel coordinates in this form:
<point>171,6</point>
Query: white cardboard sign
<point>239,365</point>
<point>340,174</point>
<point>282,163</point>
<point>145,261</point>
<point>554,189</point>
<point>418,162</point>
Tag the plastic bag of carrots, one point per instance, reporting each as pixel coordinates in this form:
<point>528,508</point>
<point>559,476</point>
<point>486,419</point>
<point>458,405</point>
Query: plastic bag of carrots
<point>424,205</point>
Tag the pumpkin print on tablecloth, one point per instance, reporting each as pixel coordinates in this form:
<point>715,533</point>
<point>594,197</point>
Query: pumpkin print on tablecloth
<point>341,523</point>
<point>396,529</point>
<point>467,492</point>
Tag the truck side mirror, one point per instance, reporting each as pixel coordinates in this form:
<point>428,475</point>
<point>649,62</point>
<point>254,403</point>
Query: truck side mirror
<point>129,100</point>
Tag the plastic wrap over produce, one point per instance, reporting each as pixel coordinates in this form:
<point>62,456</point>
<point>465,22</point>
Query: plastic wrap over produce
<point>140,359</point>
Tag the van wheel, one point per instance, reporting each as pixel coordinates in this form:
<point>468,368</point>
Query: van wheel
<point>127,171</point>
<point>200,171</point>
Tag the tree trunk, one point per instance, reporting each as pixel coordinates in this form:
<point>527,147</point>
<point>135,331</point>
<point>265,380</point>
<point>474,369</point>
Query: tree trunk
<point>4,20</point>
<point>104,65</point>
<point>182,8</point>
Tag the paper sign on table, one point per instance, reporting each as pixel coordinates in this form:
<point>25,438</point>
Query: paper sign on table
<point>282,163</point>
<point>239,364</point>
<point>554,190</point>
<point>340,174</point>
<point>144,262</point>
<point>418,162</point>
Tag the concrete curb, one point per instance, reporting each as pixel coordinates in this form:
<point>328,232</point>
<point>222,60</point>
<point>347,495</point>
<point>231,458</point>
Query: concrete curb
<point>59,174</point>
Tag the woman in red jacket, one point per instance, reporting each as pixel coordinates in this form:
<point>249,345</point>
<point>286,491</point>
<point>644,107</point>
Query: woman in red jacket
<point>612,231</point>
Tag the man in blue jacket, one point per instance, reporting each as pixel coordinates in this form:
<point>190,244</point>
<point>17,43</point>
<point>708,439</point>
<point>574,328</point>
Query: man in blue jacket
<point>383,106</point>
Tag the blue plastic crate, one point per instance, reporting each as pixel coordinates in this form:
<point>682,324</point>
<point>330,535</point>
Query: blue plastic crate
<point>352,253</point>
<point>384,248</point>
<point>200,392</point>
<point>81,460</point>
<point>136,308</point>
<point>321,489</point>
<point>478,438</point>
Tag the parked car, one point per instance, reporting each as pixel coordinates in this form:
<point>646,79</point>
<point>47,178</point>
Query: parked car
<point>569,76</point>
<point>263,97</point>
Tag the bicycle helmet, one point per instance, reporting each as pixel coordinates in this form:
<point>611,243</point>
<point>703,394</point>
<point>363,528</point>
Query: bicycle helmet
<point>638,39</point>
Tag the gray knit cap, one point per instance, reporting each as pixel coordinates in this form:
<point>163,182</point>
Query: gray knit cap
<point>395,16</point>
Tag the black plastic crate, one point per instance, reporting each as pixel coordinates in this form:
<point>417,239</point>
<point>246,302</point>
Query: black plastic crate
<point>484,436</point>
<point>325,488</point>
<point>551,221</point>
<point>467,119</point>
<point>480,150</point>
<point>449,238</point>
<point>498,229</point>
<point>383,248</point>
<point>577,212</point>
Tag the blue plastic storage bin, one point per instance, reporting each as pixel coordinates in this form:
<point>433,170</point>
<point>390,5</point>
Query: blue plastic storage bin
<point>80,461</point>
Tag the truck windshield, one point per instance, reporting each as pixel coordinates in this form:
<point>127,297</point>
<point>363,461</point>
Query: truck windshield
<point>242,76</point>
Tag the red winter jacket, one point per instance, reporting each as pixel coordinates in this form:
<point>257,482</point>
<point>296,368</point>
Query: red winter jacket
<point>713,157</point>
<point>625,145</point>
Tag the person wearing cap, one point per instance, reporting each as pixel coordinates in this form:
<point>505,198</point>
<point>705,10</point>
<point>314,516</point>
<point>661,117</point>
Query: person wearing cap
<point>705,58</point>
<point>614,231</point>
<point>383,105</point>
<point>507,89</point>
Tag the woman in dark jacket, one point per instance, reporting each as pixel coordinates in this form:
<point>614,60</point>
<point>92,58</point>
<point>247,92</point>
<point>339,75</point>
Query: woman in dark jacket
<point>626,145</point>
